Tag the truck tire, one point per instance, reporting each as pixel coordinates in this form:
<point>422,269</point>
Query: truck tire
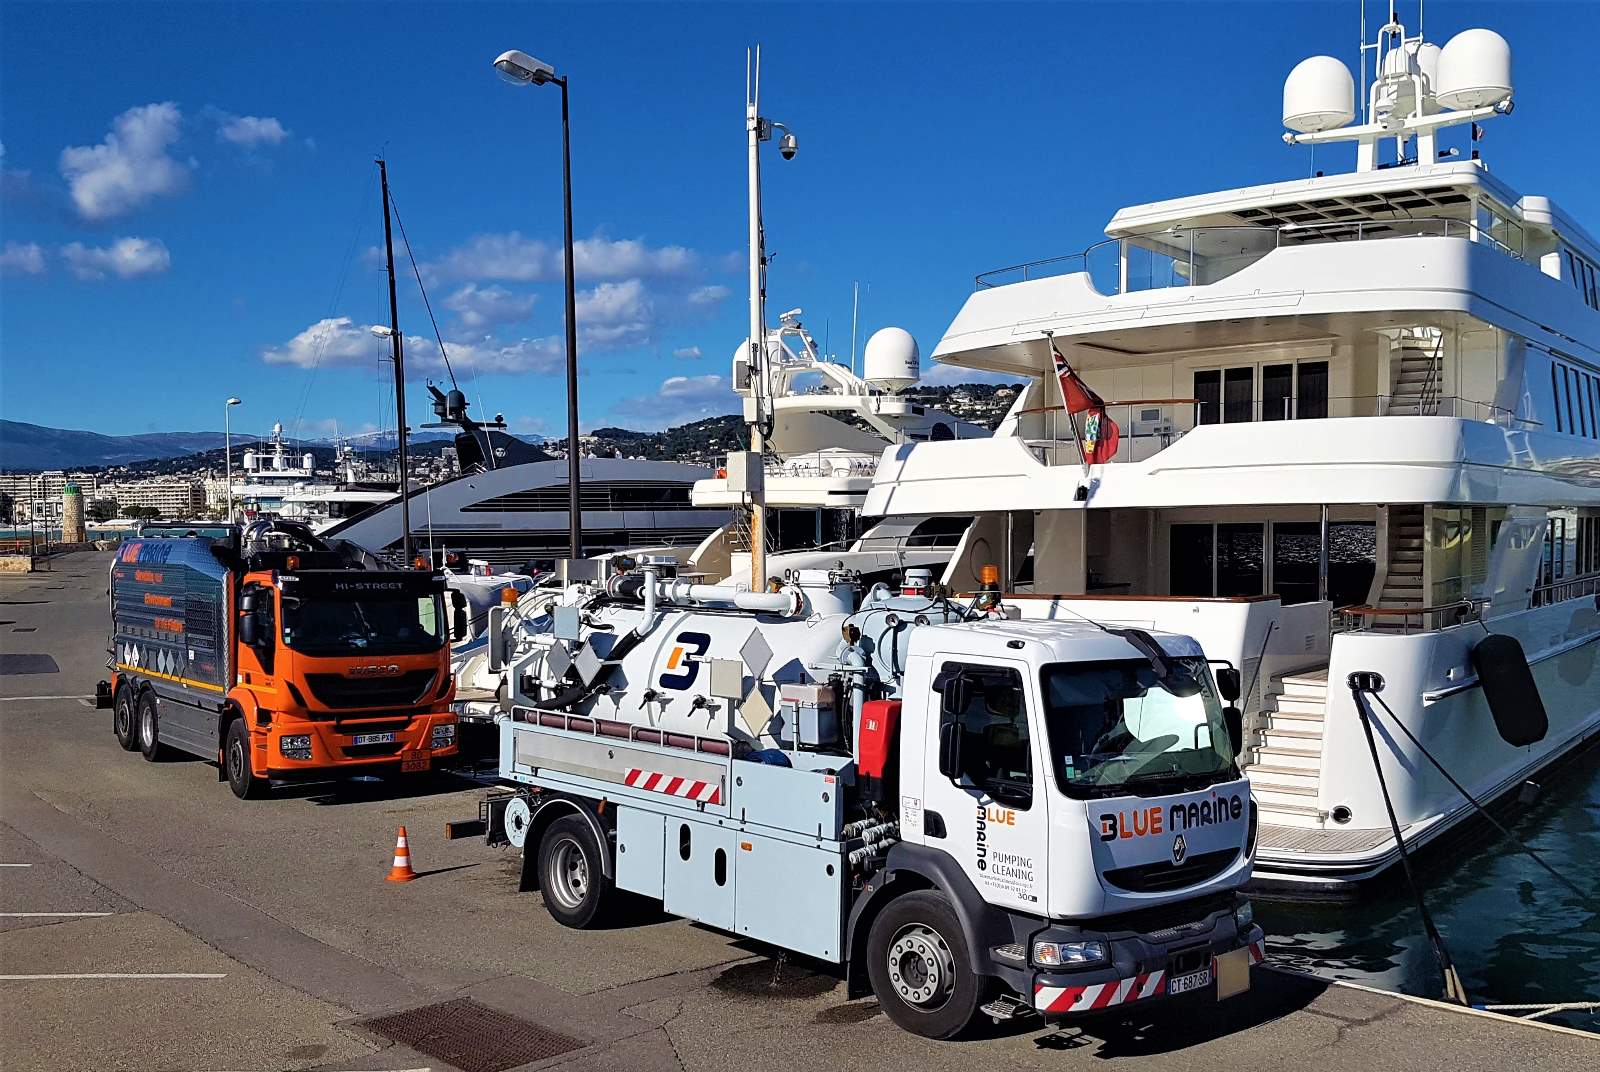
<point>150,745</point>
<point>572,874</point>
<point>236,763</point>
<point>917,961</point>
<point>125,719</point>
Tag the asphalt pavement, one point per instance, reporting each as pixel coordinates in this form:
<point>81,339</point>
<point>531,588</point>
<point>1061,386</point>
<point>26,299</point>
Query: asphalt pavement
<point>150,921</point>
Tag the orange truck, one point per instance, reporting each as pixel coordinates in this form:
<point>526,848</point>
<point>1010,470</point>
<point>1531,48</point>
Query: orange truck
<point>278,656</point>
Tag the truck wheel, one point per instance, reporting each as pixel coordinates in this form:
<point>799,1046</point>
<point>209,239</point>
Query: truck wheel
<point>150,745</point>
<point>572,873</point>
<point>125,719</point>
<point>236,763</point>
<point>917,961</point>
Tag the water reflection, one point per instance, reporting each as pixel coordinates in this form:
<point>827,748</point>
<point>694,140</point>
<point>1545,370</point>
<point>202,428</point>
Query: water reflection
<point>1516,934</point>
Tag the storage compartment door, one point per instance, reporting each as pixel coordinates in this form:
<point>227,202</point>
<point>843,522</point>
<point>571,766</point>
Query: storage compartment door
<point>791,896</point>
<point>699,872</point>
<point>641,837</point>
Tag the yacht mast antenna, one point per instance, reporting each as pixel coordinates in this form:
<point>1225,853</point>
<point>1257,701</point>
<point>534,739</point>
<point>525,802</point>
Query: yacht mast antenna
<point>399,370</point>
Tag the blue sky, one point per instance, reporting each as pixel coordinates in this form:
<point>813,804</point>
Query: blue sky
<point>190,208</point>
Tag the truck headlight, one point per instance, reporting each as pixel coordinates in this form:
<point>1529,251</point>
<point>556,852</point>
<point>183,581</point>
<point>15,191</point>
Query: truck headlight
<point>1244,914</point>
<point>295,746</point>
<point>444,736</point>
<point>1068,954</point>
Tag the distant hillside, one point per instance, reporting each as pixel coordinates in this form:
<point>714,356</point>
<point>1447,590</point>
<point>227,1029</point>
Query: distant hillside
<point>32,446</point>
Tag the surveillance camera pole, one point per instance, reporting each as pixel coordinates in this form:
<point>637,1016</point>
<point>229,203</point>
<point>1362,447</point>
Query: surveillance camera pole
<point>399,371</point>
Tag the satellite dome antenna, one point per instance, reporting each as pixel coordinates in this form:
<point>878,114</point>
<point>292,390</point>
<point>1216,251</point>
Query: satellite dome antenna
<point>1417,89</point>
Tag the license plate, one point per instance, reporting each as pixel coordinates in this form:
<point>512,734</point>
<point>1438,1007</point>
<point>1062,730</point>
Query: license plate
<point>409,766</point>
<point>372,738</point>
<point>1182,984</point>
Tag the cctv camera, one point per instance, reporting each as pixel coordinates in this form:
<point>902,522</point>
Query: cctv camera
<point>788,146</point>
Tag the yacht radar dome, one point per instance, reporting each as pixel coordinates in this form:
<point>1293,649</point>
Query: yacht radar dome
<point>1319,94</point>
<point>891,360</point>
<point>1474,70</point>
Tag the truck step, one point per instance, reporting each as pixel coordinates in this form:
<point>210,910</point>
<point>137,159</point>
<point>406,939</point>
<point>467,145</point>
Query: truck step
<point>1017,954</point>
<point>1006,1007</point>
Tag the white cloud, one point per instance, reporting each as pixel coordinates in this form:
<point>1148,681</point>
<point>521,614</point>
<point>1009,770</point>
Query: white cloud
<point>126,258</point>
<point>130,167</point>
<point>480,307</point>
<point>340,341</point>
<point>22,259</point>
<point>708,295</point>
<point>335,340</point>
<point>513,258</point>
<point>688,352</point>
<point>680,399</point>
<point>615,314</point>
<point>251,130</point>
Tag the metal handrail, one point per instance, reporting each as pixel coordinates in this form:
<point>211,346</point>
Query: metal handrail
<point>1465,610</point>
<point>1276,237</point>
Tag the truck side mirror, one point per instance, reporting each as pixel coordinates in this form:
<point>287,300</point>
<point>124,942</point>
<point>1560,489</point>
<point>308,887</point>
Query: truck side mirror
<point>950,750</point>
<point>1235,720</point>
<point>1228,683</point>
<point>247,627</point>
<point>458,629</point>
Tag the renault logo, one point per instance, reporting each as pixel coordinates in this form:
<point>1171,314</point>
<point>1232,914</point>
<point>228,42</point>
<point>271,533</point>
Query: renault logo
<point>1180,849</point>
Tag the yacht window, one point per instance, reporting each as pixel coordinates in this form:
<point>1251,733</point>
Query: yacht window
<point>1555,394</point>
<point>1223,560</point>
<point>1313,402</point>
<point>1238,386</point>
<point>1240,565</point>
<point>1190,553</point>
<point>1277,392</point>
<point>1208,397</point>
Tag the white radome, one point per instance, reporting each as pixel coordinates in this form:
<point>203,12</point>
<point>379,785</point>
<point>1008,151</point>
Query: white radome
<point>1319,94</point>
<point>891,360</point>
<point>1474,70</point>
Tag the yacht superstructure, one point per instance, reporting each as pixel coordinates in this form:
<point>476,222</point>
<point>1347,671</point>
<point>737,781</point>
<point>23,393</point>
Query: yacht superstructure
<point>1360,430</point>
<point>829,428</point>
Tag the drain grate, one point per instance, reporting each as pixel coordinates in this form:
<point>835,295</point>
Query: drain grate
<point>472,1036</point>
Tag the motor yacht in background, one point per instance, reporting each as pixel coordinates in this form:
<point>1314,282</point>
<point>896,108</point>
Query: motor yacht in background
<point>829,429</point>
<point>1353,425</point>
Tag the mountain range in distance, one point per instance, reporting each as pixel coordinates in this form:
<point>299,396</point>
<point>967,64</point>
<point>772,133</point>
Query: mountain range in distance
<point>33,446</point>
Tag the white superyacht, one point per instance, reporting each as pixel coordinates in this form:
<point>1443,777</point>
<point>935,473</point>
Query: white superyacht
<point>1348,423</point>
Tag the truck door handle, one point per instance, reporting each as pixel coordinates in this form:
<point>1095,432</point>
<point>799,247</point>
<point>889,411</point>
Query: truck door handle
<point>933,824</point>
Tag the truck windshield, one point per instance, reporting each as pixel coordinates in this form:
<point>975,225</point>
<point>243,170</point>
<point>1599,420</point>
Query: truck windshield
<point>1114,727</point>
<point>371,625</point>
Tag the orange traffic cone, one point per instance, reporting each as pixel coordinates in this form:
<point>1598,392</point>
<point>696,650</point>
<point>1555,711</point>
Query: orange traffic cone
<point>401,871</point>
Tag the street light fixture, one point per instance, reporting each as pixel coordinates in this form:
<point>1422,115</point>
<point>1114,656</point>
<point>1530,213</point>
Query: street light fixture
<point>227,450</point>
<point>521,69</point>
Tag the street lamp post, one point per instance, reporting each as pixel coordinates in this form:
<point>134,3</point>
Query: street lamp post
<point>227,450</point>
<point>521,69</point>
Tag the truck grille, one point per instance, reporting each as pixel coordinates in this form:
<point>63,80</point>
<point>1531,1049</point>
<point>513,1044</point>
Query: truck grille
<point>336,690</point>
<point>1150,878</point>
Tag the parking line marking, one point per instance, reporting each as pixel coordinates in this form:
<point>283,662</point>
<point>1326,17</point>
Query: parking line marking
<point>50,915</point>
<point>16,865</point>
<point>20,699</point>
<point>112,975</point>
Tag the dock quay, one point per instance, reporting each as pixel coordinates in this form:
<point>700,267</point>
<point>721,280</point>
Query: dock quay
<point>150,920</point>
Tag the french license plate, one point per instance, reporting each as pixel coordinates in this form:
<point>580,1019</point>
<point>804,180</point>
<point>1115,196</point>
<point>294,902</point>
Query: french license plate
<point>1182,984</point>
<point>410,766</point>
<point>372,738</point>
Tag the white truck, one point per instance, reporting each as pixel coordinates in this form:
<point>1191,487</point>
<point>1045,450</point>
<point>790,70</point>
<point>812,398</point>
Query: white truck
<point>967,813</point>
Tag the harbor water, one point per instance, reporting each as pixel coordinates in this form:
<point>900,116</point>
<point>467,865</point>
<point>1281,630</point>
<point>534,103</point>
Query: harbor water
<point>1516,935</point>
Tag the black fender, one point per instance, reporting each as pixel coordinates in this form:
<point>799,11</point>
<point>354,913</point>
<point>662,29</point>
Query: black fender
<point>1510,689</point>
<point>547,808</point>
<point>917,867</point>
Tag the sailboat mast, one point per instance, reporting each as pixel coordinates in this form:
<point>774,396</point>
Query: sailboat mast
<point>399,369</point>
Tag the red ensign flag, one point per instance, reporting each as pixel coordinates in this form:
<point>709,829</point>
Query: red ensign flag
<point>1100,433</point>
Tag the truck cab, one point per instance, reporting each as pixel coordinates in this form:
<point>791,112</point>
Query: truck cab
<point>279,656</point>
<point>1067,791</point>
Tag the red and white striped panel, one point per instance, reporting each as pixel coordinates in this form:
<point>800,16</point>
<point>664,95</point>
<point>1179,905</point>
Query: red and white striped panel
<point>1257,952</point>
<point>656,782</point>
<point>1057,999</point>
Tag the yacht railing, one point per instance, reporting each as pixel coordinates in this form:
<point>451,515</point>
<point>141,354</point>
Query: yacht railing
<point>1406,620</point>
<point>1148,426</point>
<point>822,464</point>
<point>1197,256</point>
<point>1565,589</point>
